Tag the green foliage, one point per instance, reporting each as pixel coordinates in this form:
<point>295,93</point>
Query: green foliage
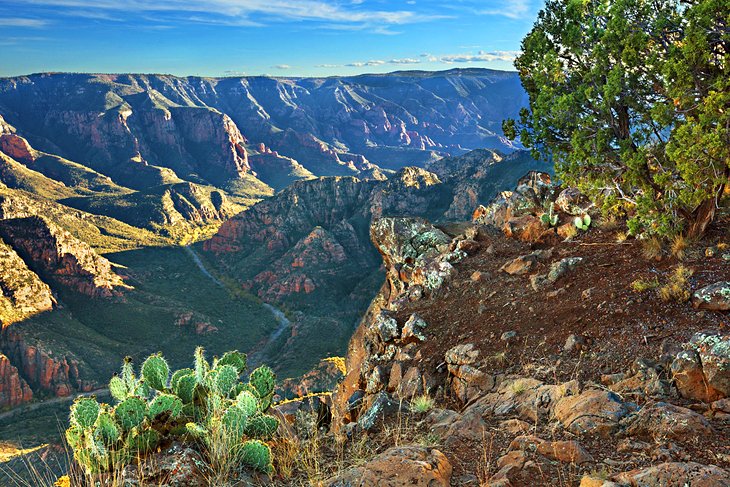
<point>549,219</point>
<point>208,404</point>
<point>631,99</point>
<point>582,222</point>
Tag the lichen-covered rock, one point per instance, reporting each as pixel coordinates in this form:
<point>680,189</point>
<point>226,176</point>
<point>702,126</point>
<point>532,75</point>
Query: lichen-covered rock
<point>557,270</point>
<point>663,420</point>
<point>715,297</point>
<point>404,466</point>
<point>572,202</point>
<point>702,372</point>
<point>690,378</point>
<point>593,412</point>
<point>676,474</point>
<point>414,328</point>
<point>176,466</point>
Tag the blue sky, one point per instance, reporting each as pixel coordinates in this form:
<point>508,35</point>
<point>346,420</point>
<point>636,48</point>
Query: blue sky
<point>253,37</point>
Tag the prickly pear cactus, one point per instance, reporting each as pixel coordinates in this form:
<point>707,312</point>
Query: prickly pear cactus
<point>155,372</point>
<point>262,426</point>
<point>234,358</point>
<point>208,405</point>
<point>263,379</point>
<point>165,404</point>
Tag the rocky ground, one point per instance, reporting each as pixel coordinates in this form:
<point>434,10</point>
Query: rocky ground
<point>547,366</point>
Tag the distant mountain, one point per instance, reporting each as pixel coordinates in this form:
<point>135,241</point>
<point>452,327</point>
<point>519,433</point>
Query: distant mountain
<point>144,130</point>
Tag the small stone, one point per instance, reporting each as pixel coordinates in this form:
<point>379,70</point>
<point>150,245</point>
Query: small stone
<point>576,343</point>
<point>476,276</point>
<point>509,336</point>
<point>413,328</point>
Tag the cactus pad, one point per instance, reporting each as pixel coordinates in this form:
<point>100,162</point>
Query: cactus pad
<point>234,358</point>
<point>257,455</point>
<point>165,403</point>
<point>130,412</point>
<point>155,372</point>
<point>84,412</point>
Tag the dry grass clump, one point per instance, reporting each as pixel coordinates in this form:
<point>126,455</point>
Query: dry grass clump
<point>677,287</point>
<point>651,248</point>
<point>679,246</point>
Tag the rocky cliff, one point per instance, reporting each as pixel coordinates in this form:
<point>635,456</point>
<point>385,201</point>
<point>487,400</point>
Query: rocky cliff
<point>515,384</point>
<point>54,253</point>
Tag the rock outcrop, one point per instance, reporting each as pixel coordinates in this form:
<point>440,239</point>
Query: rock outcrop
<point>13,388</point>
<point>54,253</point>
<point>43,369</point>
<point>23,292</point>
<point>399,467</point>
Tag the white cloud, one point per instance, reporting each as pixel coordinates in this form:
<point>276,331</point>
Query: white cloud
<point>360,64</point>
<point>281,66</point>
<point>514,9</point>
<point>404,61</point>
<point>253,12</point>
<point>481,56</point>
<point>20,22</point>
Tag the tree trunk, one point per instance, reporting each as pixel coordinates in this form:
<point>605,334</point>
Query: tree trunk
<point>705,213</point>
<point>701,218</point>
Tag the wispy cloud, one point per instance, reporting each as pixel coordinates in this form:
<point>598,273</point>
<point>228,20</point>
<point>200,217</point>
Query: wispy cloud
<point>281,66</point>
<point>513,9</point>
<point>20,22</point>
<point>254,12</point>
<point>405,61</point>
<point>481,56</point>
<point>360,64</point>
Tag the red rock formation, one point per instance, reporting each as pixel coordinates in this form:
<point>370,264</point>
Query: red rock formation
<point>40,368</point>
<point>16,147</point>
<point>59,255</point>
<point>13,389</point>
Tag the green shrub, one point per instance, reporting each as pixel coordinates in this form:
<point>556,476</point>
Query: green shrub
<point>208,405</point>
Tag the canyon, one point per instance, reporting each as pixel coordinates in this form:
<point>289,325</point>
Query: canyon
<point>274,183</point>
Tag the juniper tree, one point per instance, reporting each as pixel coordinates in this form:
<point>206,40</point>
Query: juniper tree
<point>631,100</point>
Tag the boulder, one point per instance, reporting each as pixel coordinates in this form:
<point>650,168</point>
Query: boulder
<point>676,474</point>
<point>413,329</point>
<point>593,412</point>
<point>175,466</point>
<point>690,378</point>
<point>715,297</point>
<point>703,371</point>
<point>664,420</point>
<point>520,265</point>
<point>404,466</point>
<point>572,202</point>
<point>557,270</point>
